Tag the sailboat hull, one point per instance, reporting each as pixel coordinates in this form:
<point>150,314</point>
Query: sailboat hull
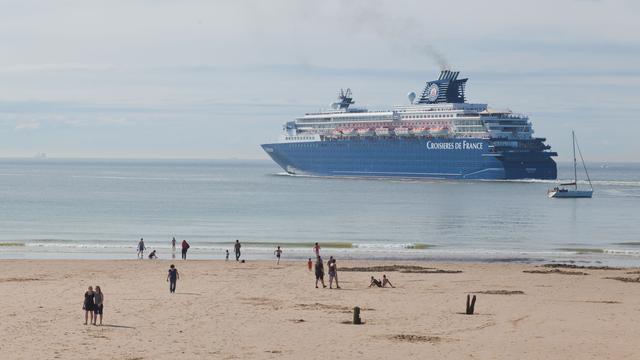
<point>570,194</point>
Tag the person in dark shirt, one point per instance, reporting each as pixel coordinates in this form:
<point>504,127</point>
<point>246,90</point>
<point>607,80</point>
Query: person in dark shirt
<point>278,252</point>
<point>185,247</point>
<point>88,305</point>
<point>319,272</point>
<point>152,255</point>
<point>172,278</point>
<point>237,247</point>
<point>98,299</point>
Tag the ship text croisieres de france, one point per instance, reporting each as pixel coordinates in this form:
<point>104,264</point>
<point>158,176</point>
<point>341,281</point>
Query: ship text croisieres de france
<point>439,135</point>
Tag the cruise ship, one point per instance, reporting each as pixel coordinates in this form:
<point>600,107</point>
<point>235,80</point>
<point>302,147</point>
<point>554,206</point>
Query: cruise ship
<point>438,135</point>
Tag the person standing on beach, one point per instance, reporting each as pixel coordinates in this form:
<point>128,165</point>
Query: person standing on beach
<point>316,249</point>
<point>172,278</point>
<point>333,272</point>
<point>173,244</point>
<point>141,248</point>
<point>226,255</point>
<point>310,264</point>
<point>88,306</point>
<point>278,252</point>
<point>185,247</point>
<point>320,272</point>
<point>98,299</point>
<point>237,247</point>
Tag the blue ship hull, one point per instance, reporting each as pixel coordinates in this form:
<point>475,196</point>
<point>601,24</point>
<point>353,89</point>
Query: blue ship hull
<point>413,157</point>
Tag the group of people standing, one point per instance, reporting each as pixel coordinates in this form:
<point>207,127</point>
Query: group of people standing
<point>319,269</point>
<point>153,254</point>
<point>93,305</point>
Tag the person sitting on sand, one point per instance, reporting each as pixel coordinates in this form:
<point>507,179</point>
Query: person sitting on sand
<point>88,306</point>
<point>98,299</point>
<point>320,272</point>
<point>375,282</point>
<point>172,278</point>
<point>152,255</point>
<point>386,281</point>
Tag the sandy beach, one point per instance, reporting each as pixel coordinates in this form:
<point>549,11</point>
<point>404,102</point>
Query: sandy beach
<point>259,310</point>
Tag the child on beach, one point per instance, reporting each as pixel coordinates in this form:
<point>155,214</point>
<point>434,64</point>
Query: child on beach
<point>172,278</point>
<point>88,306</point>
<point>226,255</point>
<point>278,252</point>
<point>152,255</point>
<point>310,264</point>
<point>98,299</point>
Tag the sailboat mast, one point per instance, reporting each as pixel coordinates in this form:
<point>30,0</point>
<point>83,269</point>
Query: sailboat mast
<point>575,171</point>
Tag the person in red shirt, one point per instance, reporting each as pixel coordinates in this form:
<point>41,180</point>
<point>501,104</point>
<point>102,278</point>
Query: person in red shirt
<point>310,264</point>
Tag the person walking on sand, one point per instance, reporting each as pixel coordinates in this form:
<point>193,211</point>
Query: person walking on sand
<point>237,247</point>
<point>320,272</point>
<point>316,249</point>
<point>88,306</point>
<point>310,264</point>
<point>172,278</point>
<point>98,299</point>
<point>333,272</point>
<point>386,281</point>
<point>185,247</point>
<point>278,252</point>
<point>173,244</point>
<point>141,248</point>
<point>226,255</point>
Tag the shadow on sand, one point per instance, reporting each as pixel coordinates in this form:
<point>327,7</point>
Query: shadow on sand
<point>118,326</point>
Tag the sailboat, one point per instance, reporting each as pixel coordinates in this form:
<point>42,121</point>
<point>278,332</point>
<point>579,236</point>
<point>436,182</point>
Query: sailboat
<point>563,191</point>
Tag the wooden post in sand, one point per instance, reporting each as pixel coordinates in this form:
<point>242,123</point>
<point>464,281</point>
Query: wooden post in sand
<point>471,305</point>
<point>356,316</point>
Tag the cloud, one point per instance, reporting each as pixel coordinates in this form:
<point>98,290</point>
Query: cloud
<point>27,125</point>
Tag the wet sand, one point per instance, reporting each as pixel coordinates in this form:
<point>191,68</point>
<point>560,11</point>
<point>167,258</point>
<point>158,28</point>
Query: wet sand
<point>258,310</point>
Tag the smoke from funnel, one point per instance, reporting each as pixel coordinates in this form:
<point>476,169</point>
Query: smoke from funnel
<point>370,17</point>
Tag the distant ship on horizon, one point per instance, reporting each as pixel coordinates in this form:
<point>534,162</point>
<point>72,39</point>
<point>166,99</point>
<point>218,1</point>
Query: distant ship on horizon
<point>438,136</point>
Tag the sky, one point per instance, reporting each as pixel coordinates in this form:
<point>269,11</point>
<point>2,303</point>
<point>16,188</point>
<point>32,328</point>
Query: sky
<point>214,79</point>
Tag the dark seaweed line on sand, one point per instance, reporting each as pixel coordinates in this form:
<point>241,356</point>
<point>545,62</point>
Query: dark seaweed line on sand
<point>411,269</point>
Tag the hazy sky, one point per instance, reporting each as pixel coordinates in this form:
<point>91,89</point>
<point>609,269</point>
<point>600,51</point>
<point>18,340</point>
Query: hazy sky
<point>214,79</point>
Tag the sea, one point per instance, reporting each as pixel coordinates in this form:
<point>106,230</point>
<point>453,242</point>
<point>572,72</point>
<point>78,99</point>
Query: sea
<point>99,209</point>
